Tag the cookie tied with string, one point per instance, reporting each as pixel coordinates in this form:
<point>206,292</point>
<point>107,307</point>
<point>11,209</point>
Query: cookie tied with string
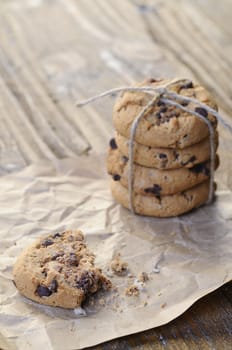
<point>164,125</point>
<point>162,206</point>
<point>163,156</point>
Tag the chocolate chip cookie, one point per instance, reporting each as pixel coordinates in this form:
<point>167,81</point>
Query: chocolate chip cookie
<point>165,158</point>
<point>163,125</point>
<point>162,206</point>
<point>151,181</point>
<point>58,270</point>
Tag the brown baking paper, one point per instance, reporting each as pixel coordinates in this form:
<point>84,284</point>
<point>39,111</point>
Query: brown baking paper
<point>185,257</point>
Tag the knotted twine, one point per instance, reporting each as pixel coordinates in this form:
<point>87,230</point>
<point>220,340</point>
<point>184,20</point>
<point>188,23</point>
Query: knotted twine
<point>169,98</point>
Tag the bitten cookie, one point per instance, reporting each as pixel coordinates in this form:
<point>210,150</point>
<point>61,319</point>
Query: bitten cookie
<point>165,158</point>
<point>164,206</point>
<point>164,126</point>
<point>58,270</point>
<point>151,181</point>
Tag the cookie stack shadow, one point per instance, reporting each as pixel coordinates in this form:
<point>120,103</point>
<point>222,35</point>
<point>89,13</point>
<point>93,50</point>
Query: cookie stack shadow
<point>171,163</point>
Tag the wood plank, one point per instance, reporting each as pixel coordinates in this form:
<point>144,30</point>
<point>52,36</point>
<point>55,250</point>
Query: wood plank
<point>38,106</point>
<point>54,70</point>
<point>168,26</point>
<point>207,325</point>
<point>54,52</point>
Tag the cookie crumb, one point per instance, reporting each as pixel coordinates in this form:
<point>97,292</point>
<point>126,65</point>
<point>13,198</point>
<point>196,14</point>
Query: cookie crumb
<point>118,266</point>
<point>130,275</point>
<point>132,290</point>
<point>145,303</point>
<point>102,302</point>
<point>163,305</point>
<point>91,302</point>
<point>143,277</point>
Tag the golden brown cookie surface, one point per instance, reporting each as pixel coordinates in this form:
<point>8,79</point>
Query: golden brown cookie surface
<point>163,125</point>
<point>58,270</point>
<point>164,206</point>
<point>166,158</point>
<point>151,181</point>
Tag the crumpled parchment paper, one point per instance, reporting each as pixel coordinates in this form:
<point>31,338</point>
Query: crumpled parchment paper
<point>185,257</point>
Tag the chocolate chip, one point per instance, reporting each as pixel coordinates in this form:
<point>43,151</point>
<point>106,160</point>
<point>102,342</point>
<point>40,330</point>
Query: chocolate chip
<point>53,286</point>
<point>60,269</point>
<point>57,234</point>
<point>125,159</point>
<point>152,80</point>
<point>154,190</point>
<point>164,118</point>
<point>57,255</point>
<point>116,177</point>
<point>200,168</point>
<point>160,103</point>
<point>72,259</point>
<point>188,85</point>
<point>44,272</point>
<point>163,109</point>
<point>14,283</point>
<point>188,197</point>
<point>47,242</point>
<point>85,282</point>
<point>185,136</point>
<point>43,291</point>
<point>190,160</point>
<point>162,155</point>
<point>173,114</point>
<point>113,144</point>
<point>176,155</point>
<point>206,171</point>
<point>201,111</point>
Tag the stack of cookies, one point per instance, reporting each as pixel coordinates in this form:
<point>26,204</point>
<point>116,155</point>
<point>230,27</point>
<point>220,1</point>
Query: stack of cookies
<point>171,168</point>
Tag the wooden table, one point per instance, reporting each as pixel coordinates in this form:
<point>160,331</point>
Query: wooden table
<point>53,52</point>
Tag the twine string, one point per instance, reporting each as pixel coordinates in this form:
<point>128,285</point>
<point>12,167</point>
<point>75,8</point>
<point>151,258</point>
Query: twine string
<point>163,92</point>
<point>165,96</point>
<point>131,148</point>
<point>200,104</point>
<point>212,146</point>
<point>115,91</point>
<point>146,89</point>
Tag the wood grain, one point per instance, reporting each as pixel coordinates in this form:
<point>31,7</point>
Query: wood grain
<point>55,52</point>
<point>205,326</point>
